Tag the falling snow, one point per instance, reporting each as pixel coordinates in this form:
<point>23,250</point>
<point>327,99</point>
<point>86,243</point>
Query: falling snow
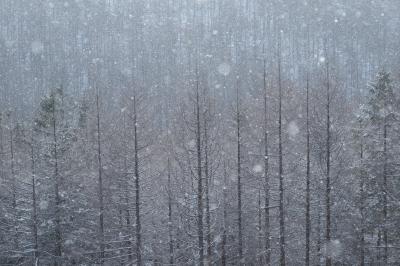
<point>202,132</point>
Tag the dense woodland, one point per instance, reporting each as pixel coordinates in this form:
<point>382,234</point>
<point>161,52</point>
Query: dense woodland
<point>199,132</point>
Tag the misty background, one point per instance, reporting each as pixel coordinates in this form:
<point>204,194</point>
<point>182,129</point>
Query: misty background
<point>192,132</point>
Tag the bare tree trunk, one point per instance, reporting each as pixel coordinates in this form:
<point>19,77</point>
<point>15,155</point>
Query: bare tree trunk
<point>34,208</point>
<point>308,195</point>
<point>266,177</point>
<point>362,199</point>
<point>126,195</point>
<point>122,187</point>
<point>225,217</point>
<point>378,244</point>
<point>58,251</point>
<point>385,201</point>
<point>13,187</point>
<point>282,259</point>
<point>100,180</point>
<point>137,187</point>
<point>170,237</point>
<point>328,164</point>
<point>207,192</point>
<point>1,147</point>
<point>319,240</point>
<point>259,229</point>
<point>199,178</point>
<point>239,181</point>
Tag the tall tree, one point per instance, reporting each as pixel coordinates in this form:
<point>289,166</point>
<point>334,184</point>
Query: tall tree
<point>199,176</point>
<point>35,222</point>
<point>266,168</point>
<point>282,259</point>
<point>57,181</point>
<point>100,180</point>
<point>382,115</point>
<point>239,175</point>
<point>13,182</point>
<point>51,123</point>
<point>308,169</point>
<point>362,196</point>
<point>328,163</point>
<point>225,217</point>
<point>207,179</point>
<point>137,183</point>
<point>170,236</point>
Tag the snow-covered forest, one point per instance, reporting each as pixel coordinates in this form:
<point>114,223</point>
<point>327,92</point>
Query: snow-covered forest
<point>200,132</point>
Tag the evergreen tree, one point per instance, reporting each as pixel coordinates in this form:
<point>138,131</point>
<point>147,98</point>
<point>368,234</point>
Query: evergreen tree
<point>55,132</point>
<point>381,115</point>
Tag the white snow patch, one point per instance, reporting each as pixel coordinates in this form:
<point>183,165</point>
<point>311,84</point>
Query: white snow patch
<point>127,72</point>
<point>43,205</point>
<point>192,144</point>
<point>167,80</point>
<point>293,129</point>
<point>213,207</point>
<point>257,168</point>
<point>9,43</point>
<point>385,111</point>
<point>224,69</point>
<point>333,249</point>
<point>37,47</point>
